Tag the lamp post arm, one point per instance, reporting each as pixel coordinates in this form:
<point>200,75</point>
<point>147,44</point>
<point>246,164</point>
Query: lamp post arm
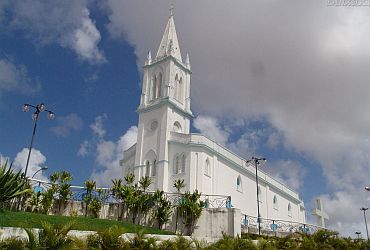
<point>36,172</point>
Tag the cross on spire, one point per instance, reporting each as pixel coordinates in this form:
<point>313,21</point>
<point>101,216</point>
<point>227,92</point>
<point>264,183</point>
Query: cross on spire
<point>171,10</point>
<point>320,214</point>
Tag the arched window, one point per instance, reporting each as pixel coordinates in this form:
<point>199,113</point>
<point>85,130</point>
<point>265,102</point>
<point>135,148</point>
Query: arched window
<point>177,127</point>
<point>159,86</point>
<point>183,161</point>
<point>239,186</point>
<point>207,167</point>
<point>153,88</point>
<point>275,202</point>
<point>176,164</point>
<point>289,210</point>
<point>179,89</point>
<point>147,168</point>
<point>176,86</point>
<point>154,168</point>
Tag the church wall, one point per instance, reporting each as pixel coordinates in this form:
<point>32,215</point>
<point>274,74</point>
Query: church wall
<point>222,180</point>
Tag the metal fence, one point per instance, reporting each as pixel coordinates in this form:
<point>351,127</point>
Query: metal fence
<point>276,227</point>
<point>106,194</point>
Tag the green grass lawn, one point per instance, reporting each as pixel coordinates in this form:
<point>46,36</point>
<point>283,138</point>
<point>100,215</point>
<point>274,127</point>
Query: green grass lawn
<point>33,220</point>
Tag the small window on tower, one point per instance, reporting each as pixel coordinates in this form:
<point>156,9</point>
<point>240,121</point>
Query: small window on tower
<point>177,127</point>
<point>207,168</point>
<point>147,168</point>
<point>176,164</point>
<point>275,202</point>
<point>239,185</point>
<point>183,162</point>
<point>154,168</point>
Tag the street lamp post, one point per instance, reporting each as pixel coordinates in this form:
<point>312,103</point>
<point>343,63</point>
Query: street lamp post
<point>256,163</point>
<point>358,234</point>
<point>35,116</point>
<point>41,169</point>
<point>364,209</point>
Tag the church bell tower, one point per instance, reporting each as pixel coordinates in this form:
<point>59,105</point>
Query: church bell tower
<point>164,107</point>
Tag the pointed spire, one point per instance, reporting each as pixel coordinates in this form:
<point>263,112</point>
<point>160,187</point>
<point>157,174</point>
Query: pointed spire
<point>169,44</point>
<point>187,61</point>
<point>149,58</point>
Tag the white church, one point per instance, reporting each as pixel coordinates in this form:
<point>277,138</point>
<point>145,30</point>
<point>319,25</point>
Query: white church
<point>167,151</point>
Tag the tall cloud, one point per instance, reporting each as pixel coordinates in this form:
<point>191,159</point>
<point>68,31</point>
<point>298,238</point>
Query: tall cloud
<point>37,161</point>
<point>108,157</point>
<point>301,66</point>
<point>107,153</point>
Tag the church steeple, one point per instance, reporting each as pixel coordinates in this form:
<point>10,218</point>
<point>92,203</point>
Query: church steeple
<point>169,44</point>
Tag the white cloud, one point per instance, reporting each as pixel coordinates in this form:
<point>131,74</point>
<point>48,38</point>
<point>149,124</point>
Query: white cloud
<point>66,23</point>
<point>84,148</point>
<point>66,124</point>
<point>109,155</point>
<point>37,161</point>
<point>290,172</point>
<point>97,127</point>
<point>308,79</point>
<point>14,78</point>
<point>86,39</point>
<point>209,127</point>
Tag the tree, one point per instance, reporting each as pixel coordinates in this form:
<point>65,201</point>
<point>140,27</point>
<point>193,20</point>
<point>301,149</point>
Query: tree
<point>64,189</point>
<point>190,209</point>
<point>178,184</point>
<point>162,211</point>
<point>90,185</point>
<point>117,191</point>
<point>145,182</point>
<point>11,185</point>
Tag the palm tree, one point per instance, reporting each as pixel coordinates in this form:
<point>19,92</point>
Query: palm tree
<point>178,184</point>
<point>130,178</point>
<point>190,209</point>
<point>117,191</point>
<point>145,182</point>
<point>90,186</point>
<point>162,212</point>
<point>64,187</point>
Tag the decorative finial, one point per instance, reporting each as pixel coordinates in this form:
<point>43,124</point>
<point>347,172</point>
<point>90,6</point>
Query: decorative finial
<point>187,61</point>
<point>171,10</point>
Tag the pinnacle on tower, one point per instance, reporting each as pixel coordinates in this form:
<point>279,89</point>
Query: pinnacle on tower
<point>187,61</point>
<point>149,58</point>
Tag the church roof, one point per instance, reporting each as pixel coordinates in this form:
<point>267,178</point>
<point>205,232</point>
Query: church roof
<point>169,44</point>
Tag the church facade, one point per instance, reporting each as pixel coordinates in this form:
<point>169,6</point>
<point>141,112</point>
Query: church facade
<point>166,150</point>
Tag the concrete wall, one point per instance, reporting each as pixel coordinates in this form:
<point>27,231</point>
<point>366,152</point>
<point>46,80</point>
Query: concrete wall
<point>210,226</point>
<point>216,221</point>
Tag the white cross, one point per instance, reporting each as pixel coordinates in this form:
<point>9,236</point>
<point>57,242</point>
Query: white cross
<point>320,214</point>
<point>171,10</point>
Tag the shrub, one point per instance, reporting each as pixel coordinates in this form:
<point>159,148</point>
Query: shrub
<point>11,184</point>
<point>55,236</point>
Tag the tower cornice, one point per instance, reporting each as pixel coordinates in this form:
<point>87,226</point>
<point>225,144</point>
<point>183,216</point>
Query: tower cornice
<point>169,57</point>
<point>162,102</point>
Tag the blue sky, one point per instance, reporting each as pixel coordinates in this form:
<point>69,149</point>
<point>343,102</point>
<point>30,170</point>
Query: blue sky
<point>282,80</point>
